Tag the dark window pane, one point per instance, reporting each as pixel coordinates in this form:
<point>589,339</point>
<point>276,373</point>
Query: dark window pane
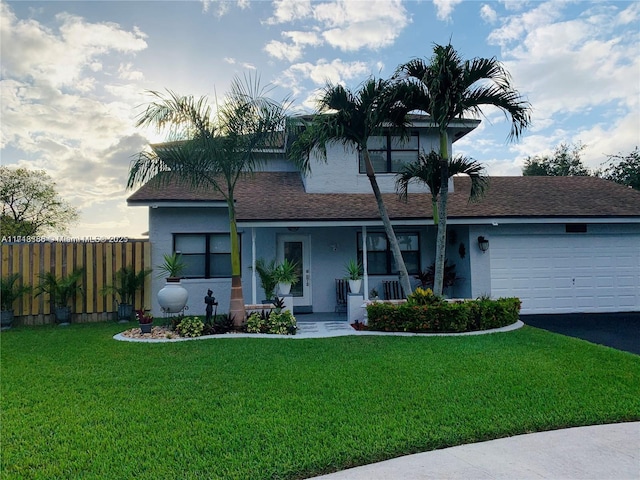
<point>220,265</point>
<point>195,265</point>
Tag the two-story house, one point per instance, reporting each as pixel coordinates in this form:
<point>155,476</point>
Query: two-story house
<point>561,244</point>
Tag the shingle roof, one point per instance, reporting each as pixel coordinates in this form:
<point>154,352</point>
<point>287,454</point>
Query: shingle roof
<point>278,196</point>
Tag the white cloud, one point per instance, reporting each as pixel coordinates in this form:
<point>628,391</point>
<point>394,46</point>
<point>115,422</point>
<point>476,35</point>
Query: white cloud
<point>569,68</point>
<point>290,10</point>
<point>323,71</point>
<point>31,50</point>
<point>292,51</point>
<point>488,14</point>
<point>348,26</point>
<point>444,8</point>
<point>283,51</point>
<point>224,5</point>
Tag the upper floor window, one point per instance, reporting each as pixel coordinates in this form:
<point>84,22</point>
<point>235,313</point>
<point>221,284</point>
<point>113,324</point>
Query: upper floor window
<point>207,255</point>
<point>380,258</point>
<point>389,152</point>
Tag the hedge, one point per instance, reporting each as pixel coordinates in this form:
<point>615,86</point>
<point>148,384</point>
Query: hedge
<point>466,316</point>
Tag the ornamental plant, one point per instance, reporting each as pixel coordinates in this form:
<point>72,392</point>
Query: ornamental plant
<point>144,317</point>
<point>422,296</point>
<point>190,327</point>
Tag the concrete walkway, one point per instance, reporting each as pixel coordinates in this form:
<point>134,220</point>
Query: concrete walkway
<point>596,452</point>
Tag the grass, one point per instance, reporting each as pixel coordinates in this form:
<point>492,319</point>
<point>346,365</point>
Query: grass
<point>77,404</point>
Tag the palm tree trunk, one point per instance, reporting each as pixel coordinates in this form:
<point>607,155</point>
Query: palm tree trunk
<point>441,242</point>
<point>393,241</point>
<point>237,311</point>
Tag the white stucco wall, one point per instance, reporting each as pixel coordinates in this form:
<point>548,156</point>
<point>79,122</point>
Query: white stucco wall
<point>323,178</point>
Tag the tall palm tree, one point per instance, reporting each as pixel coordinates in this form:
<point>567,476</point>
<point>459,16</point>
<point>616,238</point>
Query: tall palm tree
<point>212,146</point>
<point>427,169</point>
<point>447,87</point>
<point>350,118</point>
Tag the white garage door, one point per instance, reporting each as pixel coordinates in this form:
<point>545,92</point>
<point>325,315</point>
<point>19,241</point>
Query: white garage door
<point>567,273</point>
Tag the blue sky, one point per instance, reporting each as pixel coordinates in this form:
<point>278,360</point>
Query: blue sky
<point>74,75</point>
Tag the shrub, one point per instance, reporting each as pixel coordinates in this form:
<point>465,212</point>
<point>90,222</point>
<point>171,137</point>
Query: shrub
<point>190,327</point>
<point>441,316</point>
<point>421,296</point>
<point>219,324</point>
<point>276,322</point>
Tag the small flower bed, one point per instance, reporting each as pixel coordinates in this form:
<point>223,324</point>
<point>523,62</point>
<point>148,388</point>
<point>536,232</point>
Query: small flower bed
<point>425,312</point>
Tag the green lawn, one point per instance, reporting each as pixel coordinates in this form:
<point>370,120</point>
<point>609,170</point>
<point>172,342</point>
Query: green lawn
<point>77,404</point>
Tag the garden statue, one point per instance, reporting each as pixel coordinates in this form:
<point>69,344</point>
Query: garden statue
<point>210,301</point>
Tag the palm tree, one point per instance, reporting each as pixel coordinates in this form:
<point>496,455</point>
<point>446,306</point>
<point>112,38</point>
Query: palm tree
<point>447,87</point>
<point>212,148</point>
<point>427,169</point>
<point>350,118</point>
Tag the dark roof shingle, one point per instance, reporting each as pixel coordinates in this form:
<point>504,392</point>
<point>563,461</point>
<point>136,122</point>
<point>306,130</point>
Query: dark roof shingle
<point>277,196</point>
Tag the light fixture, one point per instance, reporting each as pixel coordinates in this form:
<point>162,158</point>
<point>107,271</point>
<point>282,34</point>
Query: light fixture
<point>483,243</point>
<point>293,229</point>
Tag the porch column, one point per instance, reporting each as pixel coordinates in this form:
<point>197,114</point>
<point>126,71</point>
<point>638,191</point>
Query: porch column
<point>364,263</point>
<point>254,283</point>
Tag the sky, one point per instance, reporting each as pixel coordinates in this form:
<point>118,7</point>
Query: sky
<point>75,75</point>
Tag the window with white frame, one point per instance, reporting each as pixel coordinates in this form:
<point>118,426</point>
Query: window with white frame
<point>380,258</point>
<point>207,255</point>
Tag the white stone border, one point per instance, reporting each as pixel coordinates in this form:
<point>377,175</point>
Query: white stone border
<point>508,328</point>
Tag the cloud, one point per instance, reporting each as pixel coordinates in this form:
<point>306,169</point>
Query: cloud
<point>223,5</point>
<point>290,10</point>
<point>341,24</point>
<point>444,8</point>
<point>569,68</point>
<point>322,72</point>
<point>348,26</point>
<point>488,14</point>
<point>31,50</point>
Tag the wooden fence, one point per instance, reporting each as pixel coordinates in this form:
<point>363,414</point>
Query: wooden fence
<point>99,261</point>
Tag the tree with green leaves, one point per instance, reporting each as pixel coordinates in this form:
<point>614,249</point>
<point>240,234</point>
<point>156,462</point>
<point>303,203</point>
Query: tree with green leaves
<point>427,169</point>
<point>448,88</point>
<point>564,162</point>
<point>624,169</point>
<point>30,204</point>
<point>212,146</point>
<point>350,118</point>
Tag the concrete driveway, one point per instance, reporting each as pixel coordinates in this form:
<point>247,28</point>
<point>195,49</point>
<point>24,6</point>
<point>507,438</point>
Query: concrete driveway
<point>617,330</point>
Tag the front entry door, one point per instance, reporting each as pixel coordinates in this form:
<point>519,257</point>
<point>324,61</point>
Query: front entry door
<point>296,248</point>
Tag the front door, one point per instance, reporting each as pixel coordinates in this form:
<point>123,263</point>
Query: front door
<point>296,248</point>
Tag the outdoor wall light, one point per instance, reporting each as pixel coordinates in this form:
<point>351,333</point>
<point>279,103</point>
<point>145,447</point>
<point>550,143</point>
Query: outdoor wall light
<point>483,243</point>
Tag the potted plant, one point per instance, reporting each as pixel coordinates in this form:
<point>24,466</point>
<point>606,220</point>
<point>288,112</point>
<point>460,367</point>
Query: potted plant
<point>11,290</point>
<point>267,273</point>
<point>62,292</point>
<point>128,283</point>
<point>173,296</point>
<point>145,320</point>
<point>286,274</point>
<point>354,275</point>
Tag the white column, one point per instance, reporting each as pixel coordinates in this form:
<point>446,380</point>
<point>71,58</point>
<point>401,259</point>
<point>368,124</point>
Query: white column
<point>254,283</point>
<point>364,263</point>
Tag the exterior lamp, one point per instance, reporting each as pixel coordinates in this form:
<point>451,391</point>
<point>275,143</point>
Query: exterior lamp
<point>483,243</point>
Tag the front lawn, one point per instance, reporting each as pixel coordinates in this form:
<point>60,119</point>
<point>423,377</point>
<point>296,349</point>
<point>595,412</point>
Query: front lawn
<point>77,404</point>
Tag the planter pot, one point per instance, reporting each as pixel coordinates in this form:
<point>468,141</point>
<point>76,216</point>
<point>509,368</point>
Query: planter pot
<point>125,312</point>
<point>146,327</point>
<point>284,288</point>
<point>173,296</point>
<point>6,319</point>
<point>63,315</point>
<point>355,285</point>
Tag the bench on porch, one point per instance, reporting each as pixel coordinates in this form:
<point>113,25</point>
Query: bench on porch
<point>342,289</point>
<point>392,290</point>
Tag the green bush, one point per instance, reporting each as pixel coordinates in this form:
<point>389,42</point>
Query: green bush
<point>278,323</point>
<point>416,316</point>
<point>190,327</point>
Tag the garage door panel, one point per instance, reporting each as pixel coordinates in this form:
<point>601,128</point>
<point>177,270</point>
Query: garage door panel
<point>568,273</point>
